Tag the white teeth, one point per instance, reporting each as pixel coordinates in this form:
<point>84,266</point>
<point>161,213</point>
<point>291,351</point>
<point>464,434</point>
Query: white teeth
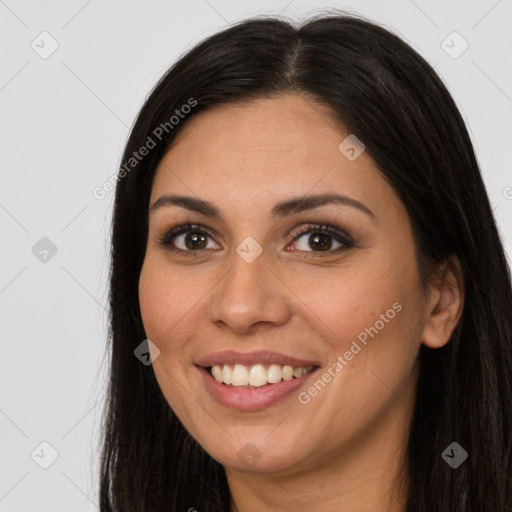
<point>217,373</point>
<point>299,372</point>
<point>227,374</point>
<point>256,375</point>
<point>287,372</point>
<point>240,376</point>
<point>274,374</point>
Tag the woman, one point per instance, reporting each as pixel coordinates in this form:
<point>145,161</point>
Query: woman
<point>304,250</point>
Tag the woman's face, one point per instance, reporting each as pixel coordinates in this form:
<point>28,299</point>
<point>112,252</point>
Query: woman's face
<point>258,277</point>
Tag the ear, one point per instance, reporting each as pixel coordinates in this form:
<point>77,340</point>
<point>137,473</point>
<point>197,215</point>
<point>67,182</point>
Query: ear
<point>444,304</point>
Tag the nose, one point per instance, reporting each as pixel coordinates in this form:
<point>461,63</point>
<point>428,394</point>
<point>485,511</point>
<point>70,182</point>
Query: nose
<point>249,297</point>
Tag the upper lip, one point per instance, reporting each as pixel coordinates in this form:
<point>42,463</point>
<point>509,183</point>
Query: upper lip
<point>251,358</point>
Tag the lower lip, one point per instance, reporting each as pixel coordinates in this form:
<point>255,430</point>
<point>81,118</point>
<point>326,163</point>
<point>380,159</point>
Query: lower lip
<point>251,399</point>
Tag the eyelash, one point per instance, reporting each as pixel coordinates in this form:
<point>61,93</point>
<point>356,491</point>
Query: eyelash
<point>328,229</point>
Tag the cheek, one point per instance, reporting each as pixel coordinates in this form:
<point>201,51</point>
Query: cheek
<point>172,305</point>
<point>345,304</point>
<point>167,312</point>
<point>374,326</point>
<point>162,303</point>
<point>372,318</point>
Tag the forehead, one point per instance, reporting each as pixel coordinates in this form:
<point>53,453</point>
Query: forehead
<point>290,123</point>
<point>264,150</point>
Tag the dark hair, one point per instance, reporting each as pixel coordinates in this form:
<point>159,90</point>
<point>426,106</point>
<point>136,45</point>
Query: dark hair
<point>386,94</point>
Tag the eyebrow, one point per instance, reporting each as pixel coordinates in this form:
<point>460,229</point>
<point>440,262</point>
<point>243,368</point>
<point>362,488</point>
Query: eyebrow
<point>281,209</point>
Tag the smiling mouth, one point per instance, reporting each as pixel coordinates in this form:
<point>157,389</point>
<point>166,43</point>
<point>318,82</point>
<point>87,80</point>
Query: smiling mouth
<point>257,375</point>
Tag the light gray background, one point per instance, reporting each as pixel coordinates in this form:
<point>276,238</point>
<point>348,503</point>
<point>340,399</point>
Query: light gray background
<point>64,121</point>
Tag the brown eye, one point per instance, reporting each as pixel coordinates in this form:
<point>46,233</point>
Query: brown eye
<point>320,241</point>
<point>187,239</point>
<point>320,238</point>
<point>195,240</point>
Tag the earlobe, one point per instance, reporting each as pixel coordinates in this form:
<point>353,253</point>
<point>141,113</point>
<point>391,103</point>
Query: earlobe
<point>444,305</point>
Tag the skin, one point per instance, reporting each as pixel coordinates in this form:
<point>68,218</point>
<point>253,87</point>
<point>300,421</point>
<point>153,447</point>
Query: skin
<point>343,450</point>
